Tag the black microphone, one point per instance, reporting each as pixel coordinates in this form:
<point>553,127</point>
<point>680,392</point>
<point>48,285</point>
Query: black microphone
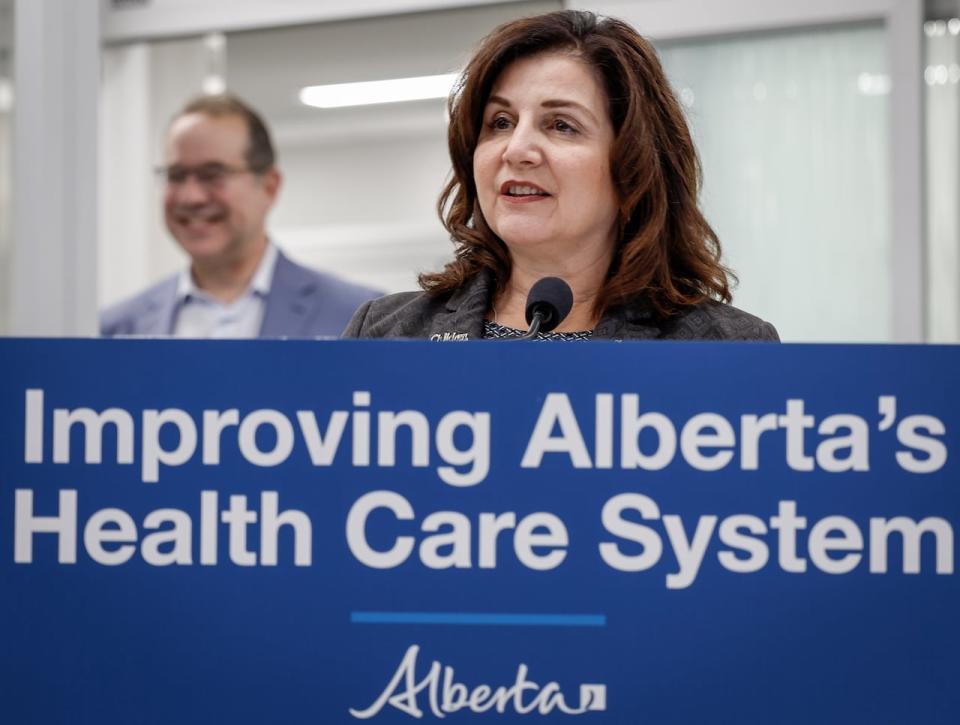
<point>548,303</point>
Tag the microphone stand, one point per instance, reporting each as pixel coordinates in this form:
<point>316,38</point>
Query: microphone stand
<point>535,324</point>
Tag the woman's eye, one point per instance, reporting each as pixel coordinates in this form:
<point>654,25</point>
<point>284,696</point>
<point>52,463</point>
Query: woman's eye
<point>499,123</point>
<point>563,127</point>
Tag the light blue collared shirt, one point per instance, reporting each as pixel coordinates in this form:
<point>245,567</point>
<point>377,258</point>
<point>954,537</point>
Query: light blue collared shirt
<point>200,315</point>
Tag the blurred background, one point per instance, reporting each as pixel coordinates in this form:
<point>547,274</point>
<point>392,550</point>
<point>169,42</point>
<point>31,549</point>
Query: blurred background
<point>828,133</point>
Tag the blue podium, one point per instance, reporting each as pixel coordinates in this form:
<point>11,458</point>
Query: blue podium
<point>331,532</point>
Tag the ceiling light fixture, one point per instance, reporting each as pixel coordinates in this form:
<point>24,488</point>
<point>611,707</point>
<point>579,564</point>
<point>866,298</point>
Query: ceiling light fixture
<point>340,95</point>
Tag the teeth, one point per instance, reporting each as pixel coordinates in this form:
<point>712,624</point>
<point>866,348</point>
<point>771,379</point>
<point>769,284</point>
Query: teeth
<point>518,190</point>
<point>191,218</point>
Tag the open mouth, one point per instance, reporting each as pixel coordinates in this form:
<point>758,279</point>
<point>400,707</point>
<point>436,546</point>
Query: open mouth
<point>522,190</point>
<point>199,220</point>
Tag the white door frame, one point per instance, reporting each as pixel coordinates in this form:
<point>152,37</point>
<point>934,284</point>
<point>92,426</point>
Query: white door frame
<point>56,49</point>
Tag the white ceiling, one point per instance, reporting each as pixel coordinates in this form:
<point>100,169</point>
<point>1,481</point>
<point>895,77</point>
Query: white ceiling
<point>128,20</point>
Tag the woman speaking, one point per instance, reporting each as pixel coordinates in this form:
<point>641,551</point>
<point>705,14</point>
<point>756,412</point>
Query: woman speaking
<point>571,159</point>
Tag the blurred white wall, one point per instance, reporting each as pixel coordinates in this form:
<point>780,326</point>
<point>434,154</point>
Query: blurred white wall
<point>143,84</point>
<point>52,267</point>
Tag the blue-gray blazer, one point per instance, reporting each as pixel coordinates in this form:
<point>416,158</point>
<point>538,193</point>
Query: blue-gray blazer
<point>302,303</point>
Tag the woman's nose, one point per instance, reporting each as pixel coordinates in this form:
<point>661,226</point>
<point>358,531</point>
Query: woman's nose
<point>523,146</point>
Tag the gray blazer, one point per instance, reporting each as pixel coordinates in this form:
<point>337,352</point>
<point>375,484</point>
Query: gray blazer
<point>302,303</point>
<point>460,317</point>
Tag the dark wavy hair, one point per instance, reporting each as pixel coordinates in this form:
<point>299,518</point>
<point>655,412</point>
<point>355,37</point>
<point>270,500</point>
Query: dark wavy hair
<point>666,252</point>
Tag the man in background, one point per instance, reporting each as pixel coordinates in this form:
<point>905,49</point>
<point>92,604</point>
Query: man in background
<point>221,181</point>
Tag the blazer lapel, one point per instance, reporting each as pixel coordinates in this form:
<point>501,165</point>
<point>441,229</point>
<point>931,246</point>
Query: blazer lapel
<point>289,300</point>
<point>462,317</point>
<point>159,311</point>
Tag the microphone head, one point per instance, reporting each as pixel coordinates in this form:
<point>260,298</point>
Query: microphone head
<point>552,298</point>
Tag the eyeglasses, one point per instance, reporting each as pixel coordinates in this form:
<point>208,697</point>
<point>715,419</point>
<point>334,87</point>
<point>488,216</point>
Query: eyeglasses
<point>211,175</point>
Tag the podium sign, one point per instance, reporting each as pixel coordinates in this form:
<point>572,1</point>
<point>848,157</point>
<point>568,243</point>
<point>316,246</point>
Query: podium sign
<point>315,532</point>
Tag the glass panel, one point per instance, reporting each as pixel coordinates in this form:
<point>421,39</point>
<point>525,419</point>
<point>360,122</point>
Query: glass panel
<point>942,84</point>
<point>6,162</point>
<point>792,132</point>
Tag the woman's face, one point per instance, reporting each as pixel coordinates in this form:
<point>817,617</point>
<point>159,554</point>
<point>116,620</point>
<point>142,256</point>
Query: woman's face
<point>542,162</point>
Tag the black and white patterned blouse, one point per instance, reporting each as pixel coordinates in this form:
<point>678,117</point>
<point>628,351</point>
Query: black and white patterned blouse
<point>495,331</point>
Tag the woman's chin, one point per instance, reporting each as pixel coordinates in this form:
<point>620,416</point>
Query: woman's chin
<point>527,238</point>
